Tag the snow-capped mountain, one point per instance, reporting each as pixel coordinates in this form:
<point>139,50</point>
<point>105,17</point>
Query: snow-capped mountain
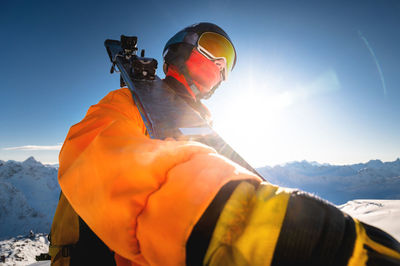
<point>339,183</point>
<point>28,197</point>
<point>29,194</point>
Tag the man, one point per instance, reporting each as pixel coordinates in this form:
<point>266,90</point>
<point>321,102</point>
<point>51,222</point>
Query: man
<point>167,202</point>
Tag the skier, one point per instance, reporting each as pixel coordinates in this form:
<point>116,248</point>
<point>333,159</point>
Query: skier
<point>144,201</point>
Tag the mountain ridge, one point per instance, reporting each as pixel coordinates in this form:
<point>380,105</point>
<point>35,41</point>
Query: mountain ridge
<point>339,183</point>
<point>29,190</point>
<point>28,197</point>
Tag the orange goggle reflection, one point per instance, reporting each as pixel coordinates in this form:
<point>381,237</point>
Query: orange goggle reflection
<point>215,46</point>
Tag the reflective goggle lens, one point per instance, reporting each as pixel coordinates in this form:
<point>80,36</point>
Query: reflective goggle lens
<point>217,46</point>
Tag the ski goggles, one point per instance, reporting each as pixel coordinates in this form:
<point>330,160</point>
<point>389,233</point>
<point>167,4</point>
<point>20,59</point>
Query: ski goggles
<point>215,46</point>
<point>211,45</point>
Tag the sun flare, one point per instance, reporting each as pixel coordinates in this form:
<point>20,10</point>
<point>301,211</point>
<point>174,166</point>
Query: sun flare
<point>271,120</point>
<point>250,122</point>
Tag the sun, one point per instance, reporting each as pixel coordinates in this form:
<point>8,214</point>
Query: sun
<point>249,120</point>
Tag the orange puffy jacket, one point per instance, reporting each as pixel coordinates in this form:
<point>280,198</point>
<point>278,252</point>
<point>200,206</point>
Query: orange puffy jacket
<point>142,197</point>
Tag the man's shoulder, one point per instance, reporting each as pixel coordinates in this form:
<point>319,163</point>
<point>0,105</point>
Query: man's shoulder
<point>121,92</point>
<point>122,95</point>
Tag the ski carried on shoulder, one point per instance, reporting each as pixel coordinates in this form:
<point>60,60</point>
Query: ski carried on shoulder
<point>165,114</point>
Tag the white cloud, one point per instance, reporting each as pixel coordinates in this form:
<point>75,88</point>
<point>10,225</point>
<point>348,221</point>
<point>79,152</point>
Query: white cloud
<point>35,148</point>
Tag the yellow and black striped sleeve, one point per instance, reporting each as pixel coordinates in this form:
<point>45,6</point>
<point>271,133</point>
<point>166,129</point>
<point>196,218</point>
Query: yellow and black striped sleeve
<point>262,224</point>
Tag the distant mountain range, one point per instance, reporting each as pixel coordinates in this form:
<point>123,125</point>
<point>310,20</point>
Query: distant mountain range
<point>339,183</point>
<point>29,190</point>
<point>29,194</point>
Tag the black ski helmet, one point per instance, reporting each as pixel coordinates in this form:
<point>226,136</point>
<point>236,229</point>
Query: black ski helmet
<point>188,38</point>
<point>178,48</point>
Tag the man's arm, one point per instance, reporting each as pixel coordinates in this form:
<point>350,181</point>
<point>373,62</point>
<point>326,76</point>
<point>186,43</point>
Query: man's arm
<point>268,225</point>
<point>141,196</point>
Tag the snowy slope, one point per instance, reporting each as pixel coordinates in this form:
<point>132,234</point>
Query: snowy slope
<point>23,250</point>
<point>384,214</point>
<point>28,197</point>
<point>339,183</point>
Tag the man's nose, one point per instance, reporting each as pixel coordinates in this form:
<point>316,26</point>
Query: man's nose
<point>220,63</point>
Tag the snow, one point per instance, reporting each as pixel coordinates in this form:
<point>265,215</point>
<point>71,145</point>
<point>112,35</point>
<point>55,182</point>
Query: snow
<point>384,214</point>
<point>29,194</point>
<point>40,263</point>
<point>22,250</point>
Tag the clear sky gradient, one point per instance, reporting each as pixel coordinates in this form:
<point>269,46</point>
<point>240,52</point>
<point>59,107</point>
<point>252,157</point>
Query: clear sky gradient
<point>317,80</point>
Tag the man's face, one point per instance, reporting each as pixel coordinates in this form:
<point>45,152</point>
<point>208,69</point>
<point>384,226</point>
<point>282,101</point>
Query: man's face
<point>207,73</point>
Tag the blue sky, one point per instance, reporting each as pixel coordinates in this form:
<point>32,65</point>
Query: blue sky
<point>317,80</point>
